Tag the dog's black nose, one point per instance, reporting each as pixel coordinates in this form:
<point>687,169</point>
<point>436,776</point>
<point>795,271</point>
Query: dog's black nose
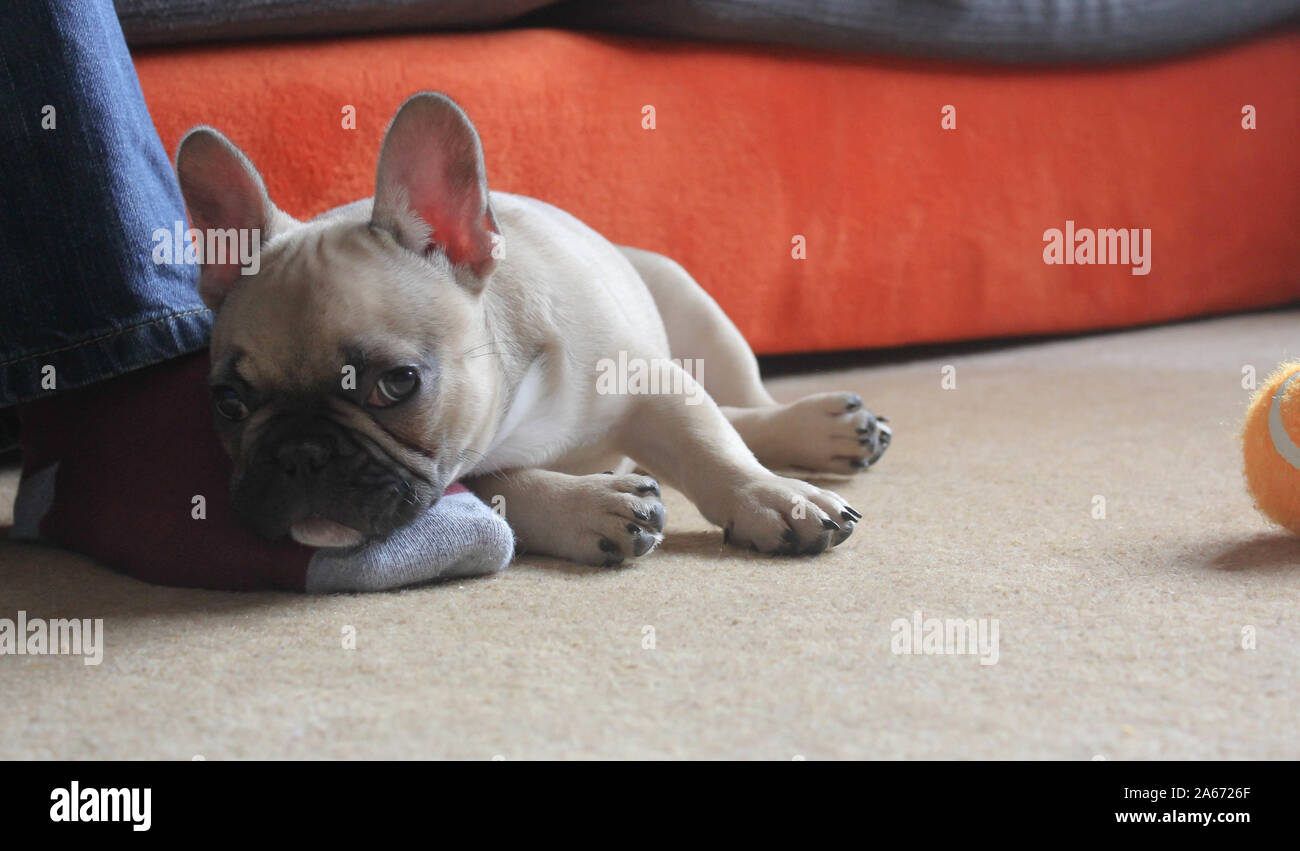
<point>306,455</point>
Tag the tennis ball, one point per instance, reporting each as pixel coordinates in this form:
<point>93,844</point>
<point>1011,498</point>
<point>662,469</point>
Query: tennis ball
<point>1270,443</point>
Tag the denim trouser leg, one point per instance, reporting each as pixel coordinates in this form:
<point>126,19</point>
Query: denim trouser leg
<point>85,184</point>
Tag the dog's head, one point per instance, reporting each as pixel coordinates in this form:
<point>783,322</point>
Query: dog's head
<point>344,379</point>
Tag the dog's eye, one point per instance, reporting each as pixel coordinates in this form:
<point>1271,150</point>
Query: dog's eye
<point>394,386</point>
<point>228,403</point>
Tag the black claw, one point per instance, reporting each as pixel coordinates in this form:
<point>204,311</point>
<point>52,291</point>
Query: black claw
<point>607,546</point>
<point>652,487</point>
<point>640,515</point>
<point>608,473</point>
<point>855,402</point>
<point>881,419</point>
<point>882,444</point>
<point>851,513</point>
<point>634,529</point>
<point>644,544</point>
<point>861,463</point>
<point>866,430</point>
<point>657,516</point>
<point>828,523</point>
<point>788,536</point>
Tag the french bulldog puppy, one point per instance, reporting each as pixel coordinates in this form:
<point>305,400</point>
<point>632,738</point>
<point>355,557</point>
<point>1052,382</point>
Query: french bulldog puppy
<point>440,331</point>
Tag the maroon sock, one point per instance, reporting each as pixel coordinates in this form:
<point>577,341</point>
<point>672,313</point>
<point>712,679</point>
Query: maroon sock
<point>133,453</point>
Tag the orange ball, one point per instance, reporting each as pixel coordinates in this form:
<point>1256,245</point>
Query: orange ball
<point>1270,443</point>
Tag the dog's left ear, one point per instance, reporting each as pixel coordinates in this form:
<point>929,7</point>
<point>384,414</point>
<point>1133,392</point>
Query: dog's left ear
<point>431,188</point>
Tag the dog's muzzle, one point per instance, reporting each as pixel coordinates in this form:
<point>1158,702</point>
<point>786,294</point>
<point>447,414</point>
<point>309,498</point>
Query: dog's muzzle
<point>325,484</point>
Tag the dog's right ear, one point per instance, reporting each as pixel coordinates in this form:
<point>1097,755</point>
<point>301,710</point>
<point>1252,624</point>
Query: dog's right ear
<point>222,190</point>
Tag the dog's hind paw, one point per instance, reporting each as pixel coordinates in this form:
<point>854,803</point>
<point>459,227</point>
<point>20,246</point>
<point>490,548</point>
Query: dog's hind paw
<point>823,433</point>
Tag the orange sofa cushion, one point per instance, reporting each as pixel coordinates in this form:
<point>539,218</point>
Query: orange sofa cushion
<point>913,233</point>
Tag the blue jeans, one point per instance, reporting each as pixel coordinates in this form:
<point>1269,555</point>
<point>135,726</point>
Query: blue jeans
<point>85,184</point>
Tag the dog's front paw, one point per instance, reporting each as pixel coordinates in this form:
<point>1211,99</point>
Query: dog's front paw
<point>783,516</point>
<point>615,518</point>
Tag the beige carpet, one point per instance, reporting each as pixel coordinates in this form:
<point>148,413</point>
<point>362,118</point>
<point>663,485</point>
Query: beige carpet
<point>1120,637</point>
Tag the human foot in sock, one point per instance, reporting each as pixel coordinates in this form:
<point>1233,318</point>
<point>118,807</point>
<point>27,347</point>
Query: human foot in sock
<point>129,473</point>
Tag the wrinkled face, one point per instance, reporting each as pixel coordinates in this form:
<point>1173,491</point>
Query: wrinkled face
<point>343,384</point>
<point>347,382</point>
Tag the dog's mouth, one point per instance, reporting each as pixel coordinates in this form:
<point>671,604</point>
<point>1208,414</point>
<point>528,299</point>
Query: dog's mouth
<point>318,531</point>
<point>325,485</point>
